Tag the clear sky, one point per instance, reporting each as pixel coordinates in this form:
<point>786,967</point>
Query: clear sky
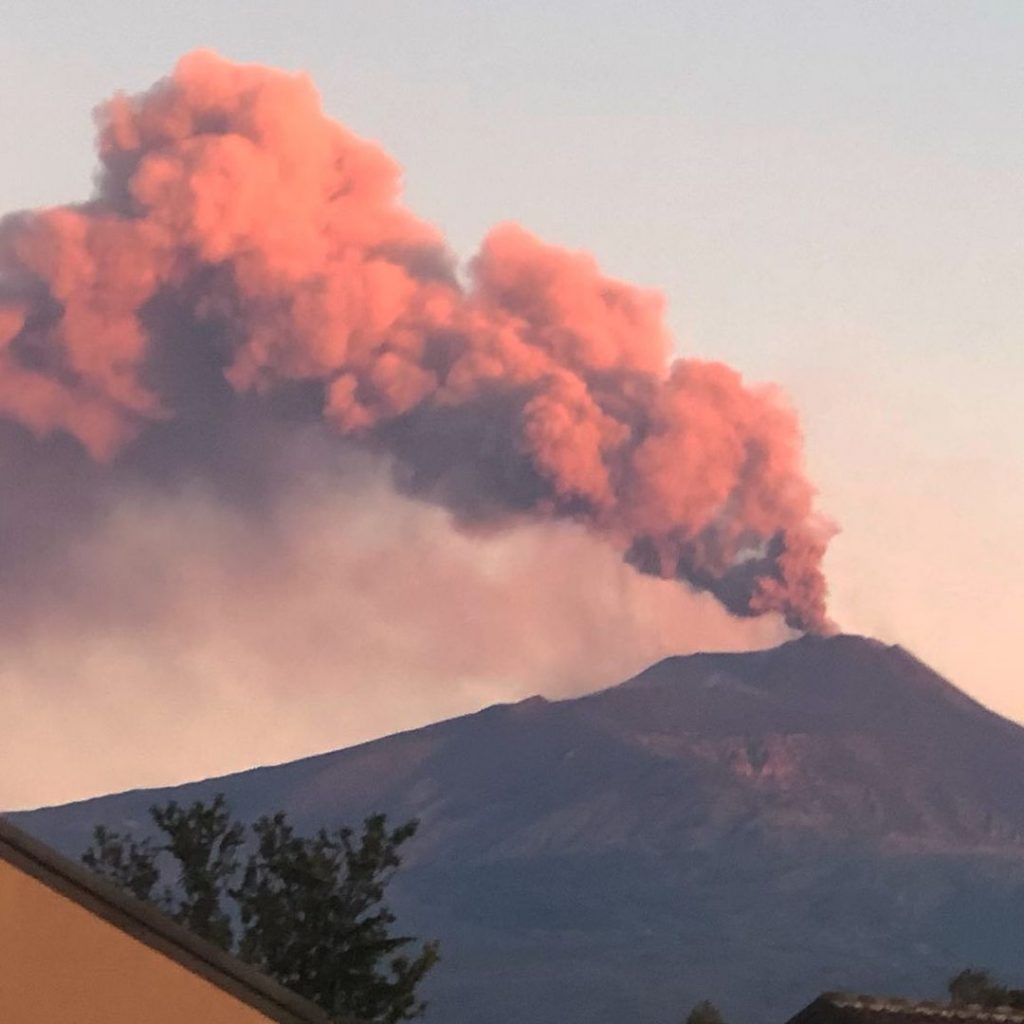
<point>829,194</point>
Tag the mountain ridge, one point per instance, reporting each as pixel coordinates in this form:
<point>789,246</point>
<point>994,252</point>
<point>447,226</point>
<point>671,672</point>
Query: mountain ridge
<point>829,813</point>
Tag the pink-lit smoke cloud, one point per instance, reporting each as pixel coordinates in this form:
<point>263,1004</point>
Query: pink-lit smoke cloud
<point>243,249</point>
<point>245,312</point>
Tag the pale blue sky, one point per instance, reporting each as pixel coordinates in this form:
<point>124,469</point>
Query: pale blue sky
<point>830,194</point>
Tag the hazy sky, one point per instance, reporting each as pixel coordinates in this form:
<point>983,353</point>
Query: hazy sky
<point>829,194</point>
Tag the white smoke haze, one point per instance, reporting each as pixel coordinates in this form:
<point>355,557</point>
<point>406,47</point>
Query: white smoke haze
<point>187,639</point>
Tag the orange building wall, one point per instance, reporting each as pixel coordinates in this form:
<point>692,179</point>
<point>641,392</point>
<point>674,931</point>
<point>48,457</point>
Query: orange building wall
<point>60,964</point>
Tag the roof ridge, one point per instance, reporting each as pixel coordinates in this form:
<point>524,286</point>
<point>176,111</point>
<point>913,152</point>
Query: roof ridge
<point>894,1004</point>
<point>155,929</point>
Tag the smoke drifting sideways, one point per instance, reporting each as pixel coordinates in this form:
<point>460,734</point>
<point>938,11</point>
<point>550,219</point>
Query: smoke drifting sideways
<point>179,639</point>
<point>244,320</point>
<point>244,250</point>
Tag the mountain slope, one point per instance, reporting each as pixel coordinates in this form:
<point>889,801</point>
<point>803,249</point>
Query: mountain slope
<point>750,827</point>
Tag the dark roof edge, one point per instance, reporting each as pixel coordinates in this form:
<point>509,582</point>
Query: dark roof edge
<point>156,930</point>
<point>953,1013</point>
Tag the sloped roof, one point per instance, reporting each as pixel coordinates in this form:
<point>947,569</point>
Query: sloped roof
<point>154,929</point>
<point>846,1008</point>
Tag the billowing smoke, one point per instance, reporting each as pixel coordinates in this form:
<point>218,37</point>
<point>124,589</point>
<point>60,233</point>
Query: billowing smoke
<point>244,300</point>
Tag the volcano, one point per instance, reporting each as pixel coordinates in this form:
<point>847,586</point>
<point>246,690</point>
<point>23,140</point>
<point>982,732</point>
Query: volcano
<point>751,828</point>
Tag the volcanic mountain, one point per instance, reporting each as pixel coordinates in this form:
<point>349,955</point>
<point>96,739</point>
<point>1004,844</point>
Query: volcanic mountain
<point>751,828</point>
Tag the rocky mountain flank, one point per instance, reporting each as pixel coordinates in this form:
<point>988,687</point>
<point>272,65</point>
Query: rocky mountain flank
<point>753,828</point>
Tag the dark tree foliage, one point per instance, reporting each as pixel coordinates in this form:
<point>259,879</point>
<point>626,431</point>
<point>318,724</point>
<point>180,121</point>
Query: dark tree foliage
<point>310,912</point>
<point>313,917</point>
<point>205,844</point>
<point>128,864</point>
<point>705,1012</point>
<point>972,987</point>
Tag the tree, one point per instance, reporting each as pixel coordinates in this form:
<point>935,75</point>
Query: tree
<point>973,987</point>
<point>308,911</point>
<point>126,863</point>
<point>313,917</point>
<point>205,843</point>
<point>705,1012</point>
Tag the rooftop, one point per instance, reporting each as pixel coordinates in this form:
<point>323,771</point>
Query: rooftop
<point>848,1008</point>
<point>154,929</point>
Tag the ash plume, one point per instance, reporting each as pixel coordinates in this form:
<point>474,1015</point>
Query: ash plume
<point>244,299</point>
<point>179,639</point>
